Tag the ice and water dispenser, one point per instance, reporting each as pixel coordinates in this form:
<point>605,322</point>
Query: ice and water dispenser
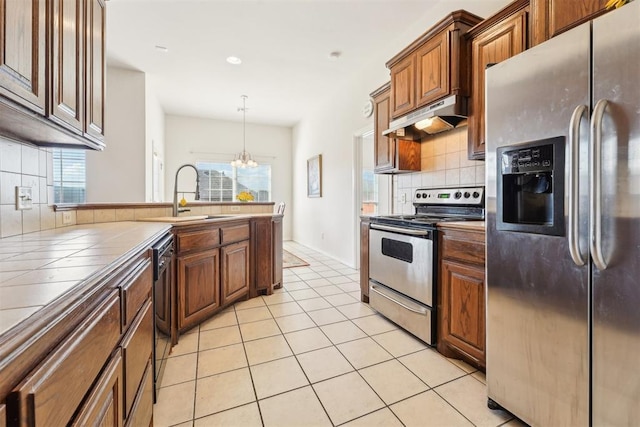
<point>531,187</point>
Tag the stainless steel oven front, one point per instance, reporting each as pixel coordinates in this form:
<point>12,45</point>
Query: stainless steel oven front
<point>402,277</point>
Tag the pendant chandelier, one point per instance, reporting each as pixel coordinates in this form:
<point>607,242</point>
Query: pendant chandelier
<point>243,159</point>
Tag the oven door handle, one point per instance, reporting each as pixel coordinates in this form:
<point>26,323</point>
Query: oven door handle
<point>420,311</point>
<point>409,231</point>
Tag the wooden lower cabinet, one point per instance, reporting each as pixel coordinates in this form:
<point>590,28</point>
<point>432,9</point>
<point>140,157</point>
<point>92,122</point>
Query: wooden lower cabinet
<point>47,397</point>
<point>364,259</point>
<point>198,287</point>
<point>461,296</point>
<point>142,411</point>
<point>104,405</point>
<point>235,271</point>
<point>137,351</point>
<point>276,250</point>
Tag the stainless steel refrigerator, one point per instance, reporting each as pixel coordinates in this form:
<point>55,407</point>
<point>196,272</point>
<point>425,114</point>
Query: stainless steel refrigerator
<point>563,227</point>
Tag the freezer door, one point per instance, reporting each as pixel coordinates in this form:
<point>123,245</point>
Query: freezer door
<point>537,297</point>
<point>616,289</point>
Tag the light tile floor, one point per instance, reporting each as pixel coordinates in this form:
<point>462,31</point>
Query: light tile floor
<point>312,355</point>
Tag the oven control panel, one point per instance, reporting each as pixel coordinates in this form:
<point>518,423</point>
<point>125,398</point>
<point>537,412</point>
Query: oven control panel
<point>450,196</point>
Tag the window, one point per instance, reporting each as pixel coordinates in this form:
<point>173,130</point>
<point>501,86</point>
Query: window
<point>69,177</point>
<point>221,182</point>
<point>369,193</point>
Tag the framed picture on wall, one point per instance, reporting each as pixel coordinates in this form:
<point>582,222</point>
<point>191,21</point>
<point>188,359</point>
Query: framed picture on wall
<point>314,176</point>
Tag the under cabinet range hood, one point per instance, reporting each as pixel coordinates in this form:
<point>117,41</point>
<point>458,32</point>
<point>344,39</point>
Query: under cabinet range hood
<point>438,117</point>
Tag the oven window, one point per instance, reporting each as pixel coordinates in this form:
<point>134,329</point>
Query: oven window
<point>398,250</point>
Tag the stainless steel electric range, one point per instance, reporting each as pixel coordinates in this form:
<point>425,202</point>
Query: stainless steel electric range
<point>403,256</point>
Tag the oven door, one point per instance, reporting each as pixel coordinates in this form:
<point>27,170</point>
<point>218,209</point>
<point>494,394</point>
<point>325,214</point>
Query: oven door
<point>403,260</point>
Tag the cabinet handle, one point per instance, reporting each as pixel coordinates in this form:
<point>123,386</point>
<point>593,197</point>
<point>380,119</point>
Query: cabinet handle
<point>573,186</point>
<point>595,190</point>
<point>409,231</point>
<point>421,311</point>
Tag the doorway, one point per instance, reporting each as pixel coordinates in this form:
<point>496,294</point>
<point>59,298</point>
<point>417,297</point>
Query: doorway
<point>373,192</point>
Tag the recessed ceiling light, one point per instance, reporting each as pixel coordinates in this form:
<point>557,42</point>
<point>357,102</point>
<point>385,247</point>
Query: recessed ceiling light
<point>234,60</point>
<point>335,55</point>
<point>162,49</point>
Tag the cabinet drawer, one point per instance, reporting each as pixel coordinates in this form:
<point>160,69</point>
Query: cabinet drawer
<point>142,411</point>
<point>456,248</point>
<point>235,234</point>
<point>52,392</point>
<point>103,407</point>
<point>135,291</point>
<point>195,240</point>
<point>136,348</point>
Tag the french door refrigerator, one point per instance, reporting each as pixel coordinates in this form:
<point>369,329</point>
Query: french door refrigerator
<point>563,227</point>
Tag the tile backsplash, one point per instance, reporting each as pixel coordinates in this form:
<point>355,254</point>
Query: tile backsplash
<point>29,166</point>
<point>444,163</point>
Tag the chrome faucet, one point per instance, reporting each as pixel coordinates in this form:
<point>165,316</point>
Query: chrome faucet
<point>176,211</point>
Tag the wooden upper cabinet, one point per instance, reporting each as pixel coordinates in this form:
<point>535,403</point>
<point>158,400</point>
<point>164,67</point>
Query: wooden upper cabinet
<point>552,17</point>
<point>23,52</point>
<point>67,73</point>
<point>391,155</point>
<point>495,39</point>
<point>432,70</point>
<point>96,70</point>
<point>384,152</point>
<point>403,83</point>
<point>432,67</point>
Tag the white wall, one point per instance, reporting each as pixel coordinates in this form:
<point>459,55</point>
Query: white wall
<point>327,224</point>
<point>190,139</point>
<point>154,140</point>
<point>118,173</point>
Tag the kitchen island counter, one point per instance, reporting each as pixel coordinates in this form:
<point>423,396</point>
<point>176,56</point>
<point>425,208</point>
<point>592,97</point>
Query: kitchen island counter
<point>55,266</point>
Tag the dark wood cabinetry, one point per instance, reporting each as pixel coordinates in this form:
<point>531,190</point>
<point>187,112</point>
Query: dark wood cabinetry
<point>364,259</point>
<point>213,269</point>
<point>266,254</point>
<point>552,17</point>
<point>432,67</point>
<point>235,271</point>
<point>198,287</point>
<point>52,71</point>
<point>104,405</point>
<point>391,155</point>
<point>23,47</point>
<point>86,358</point>
<point>461,291</point>
<point>495,39</point>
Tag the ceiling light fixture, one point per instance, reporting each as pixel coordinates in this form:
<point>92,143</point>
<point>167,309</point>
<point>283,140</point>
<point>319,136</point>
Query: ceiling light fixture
<point>234,60</point>
<point>243,159</point>
<point>335,55</point>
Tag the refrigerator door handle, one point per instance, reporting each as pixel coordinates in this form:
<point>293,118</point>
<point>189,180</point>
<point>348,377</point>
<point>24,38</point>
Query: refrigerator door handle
<point>573,186</point>
<point>595,190</point>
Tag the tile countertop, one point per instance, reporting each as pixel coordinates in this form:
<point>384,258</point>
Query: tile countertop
<point>464,225</point>
<point>38,268</point>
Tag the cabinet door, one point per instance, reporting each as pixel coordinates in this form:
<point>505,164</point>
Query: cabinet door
<point>432,69</point>
<point>67,73</point>
<point>463,307</point>
<point>137,347</point>
<point>198,287</point>
<point>162,296</point>
<point>502,41</point>
<point>22,57</point>
<point>52,393</point>
<point>552,17</point>
<point>277,252</point>
<point>384,148</point>
<point>103,407</point>
<point>96,75</point>
<point>235,271</point>
<point>403,89</point>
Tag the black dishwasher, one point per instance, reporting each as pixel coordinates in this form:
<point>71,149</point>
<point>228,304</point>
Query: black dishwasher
<point>162,303</point>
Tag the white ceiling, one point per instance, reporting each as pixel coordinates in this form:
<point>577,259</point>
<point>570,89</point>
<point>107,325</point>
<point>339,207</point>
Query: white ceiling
<point>284,46</point>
